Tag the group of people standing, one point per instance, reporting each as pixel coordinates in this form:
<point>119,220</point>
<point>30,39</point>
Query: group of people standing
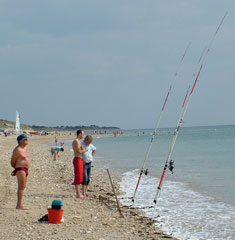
<point>83,157</point>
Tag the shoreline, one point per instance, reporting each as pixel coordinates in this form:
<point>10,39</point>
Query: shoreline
<point>96,217</point>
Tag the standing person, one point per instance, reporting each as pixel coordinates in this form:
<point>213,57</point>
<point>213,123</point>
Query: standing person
<point>56,140</point>
<point>55,151</point>
<point>78,162</point>
<point>87,160</point>
<point>21,162</point>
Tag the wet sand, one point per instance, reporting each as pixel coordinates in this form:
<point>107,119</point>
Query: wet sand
<point>95,217</point>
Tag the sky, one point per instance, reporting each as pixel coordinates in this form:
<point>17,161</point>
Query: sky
<point>111,63</point>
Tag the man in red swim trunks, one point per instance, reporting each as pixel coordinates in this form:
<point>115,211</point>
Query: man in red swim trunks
<point>21,162</point>
<point>78,162</point>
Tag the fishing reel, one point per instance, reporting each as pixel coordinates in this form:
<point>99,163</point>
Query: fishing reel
<point>146,171</point>
<point>171,166</point>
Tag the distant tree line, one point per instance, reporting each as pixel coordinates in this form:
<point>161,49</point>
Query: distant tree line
<point>71,128</point>
<point>6,123</point>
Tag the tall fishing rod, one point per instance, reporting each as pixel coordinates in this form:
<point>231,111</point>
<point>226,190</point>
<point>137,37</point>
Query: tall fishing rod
<point>181,118</point>
<point>145,171</point>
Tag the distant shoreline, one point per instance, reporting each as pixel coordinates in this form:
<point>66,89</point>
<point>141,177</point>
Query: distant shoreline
<point>10,124</point>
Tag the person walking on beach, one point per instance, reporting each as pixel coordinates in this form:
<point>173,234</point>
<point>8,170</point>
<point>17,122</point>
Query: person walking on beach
<point>87,160</point>
<point>55,151</point>
<point>20,161</point>
<point>56,140</point>
<point>78,150</point>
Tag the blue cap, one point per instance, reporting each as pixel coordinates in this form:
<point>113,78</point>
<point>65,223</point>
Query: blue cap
<point>22,136</point>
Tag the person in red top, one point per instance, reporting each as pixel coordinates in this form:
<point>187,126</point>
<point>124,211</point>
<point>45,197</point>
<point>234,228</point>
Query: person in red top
<point>78,150</point>
<point>20,161</point>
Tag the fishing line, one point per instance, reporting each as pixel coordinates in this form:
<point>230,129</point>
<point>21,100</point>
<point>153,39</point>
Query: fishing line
<point>143,170</point>
<point>182,115</point>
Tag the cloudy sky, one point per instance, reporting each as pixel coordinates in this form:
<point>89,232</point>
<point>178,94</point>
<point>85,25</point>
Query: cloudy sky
<point>110,63</point>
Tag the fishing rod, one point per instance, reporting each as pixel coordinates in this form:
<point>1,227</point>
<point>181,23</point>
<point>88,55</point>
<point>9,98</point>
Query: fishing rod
<point>118,205</point>
<point>143,170</point>
<point>170,163</point>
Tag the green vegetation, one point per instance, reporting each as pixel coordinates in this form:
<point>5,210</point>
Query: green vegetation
<point>71,128</point>
<point>9,124</point>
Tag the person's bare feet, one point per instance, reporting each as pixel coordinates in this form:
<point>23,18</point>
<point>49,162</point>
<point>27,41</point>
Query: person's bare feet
<point>21,208</point>
<point>80,196</point>
<point>85,195</point>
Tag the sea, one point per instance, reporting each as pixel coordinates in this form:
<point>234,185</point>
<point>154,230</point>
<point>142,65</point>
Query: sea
<point>197,201</point>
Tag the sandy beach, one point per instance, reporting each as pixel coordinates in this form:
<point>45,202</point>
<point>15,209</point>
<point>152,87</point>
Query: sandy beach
<point>96,217</point>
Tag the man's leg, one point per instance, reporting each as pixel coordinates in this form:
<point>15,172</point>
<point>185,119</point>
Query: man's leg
<point>22,180</point>
<point>78,175</point>
<point>84,190</point>
<point>88,177</point>
<point>77,187</point>
<point>84,184</point>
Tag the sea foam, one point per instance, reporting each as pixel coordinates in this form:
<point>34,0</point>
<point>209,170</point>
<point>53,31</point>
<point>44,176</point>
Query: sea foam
<point>180,211</point>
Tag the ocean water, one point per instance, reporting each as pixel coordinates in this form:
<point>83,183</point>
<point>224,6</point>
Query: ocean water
<point>198,200</point>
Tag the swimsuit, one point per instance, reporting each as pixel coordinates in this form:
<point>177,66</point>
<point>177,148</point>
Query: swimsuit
<point>20,169</point>
<point>78,170</point>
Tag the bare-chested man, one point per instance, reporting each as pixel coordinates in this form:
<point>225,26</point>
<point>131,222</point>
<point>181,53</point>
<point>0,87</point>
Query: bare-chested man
<point>78,162</point>
<point>21,162</point>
